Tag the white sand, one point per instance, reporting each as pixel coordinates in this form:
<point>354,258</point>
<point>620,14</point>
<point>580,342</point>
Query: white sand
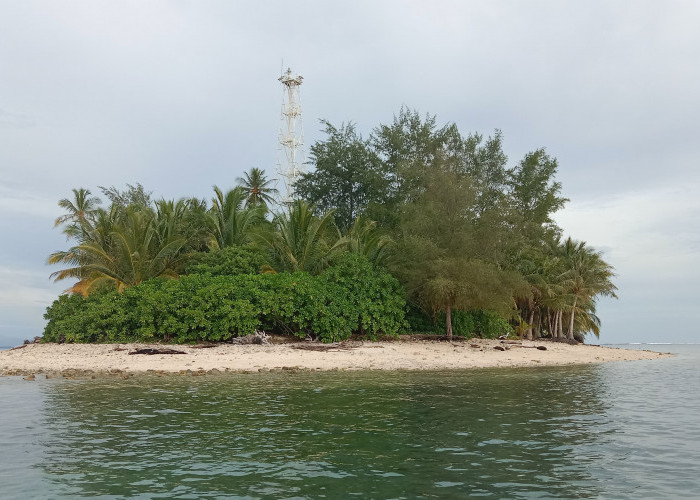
<point>404,355</point>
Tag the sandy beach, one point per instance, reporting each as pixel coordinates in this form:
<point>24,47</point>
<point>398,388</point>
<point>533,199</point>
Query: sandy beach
<point>77,359</point>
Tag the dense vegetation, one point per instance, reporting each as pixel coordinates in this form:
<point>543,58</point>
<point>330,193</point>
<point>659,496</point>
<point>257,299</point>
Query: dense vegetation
<point>414,228</point>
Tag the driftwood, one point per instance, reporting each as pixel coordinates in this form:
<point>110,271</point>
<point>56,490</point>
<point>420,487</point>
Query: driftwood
<point>324,347</point>
<point>18,347</point>
<point>203,346</point>
<point>538,347</point>
<point>501,347</point>
<point>156,351</point>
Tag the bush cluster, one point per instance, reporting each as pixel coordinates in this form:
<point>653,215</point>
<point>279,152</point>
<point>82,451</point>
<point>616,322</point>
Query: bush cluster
<point>351,297</point>
<point>484,324</point>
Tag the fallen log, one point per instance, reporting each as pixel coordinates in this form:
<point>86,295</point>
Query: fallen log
<point>156,351</point>
<point>18,347</point>
<point>539,347</point>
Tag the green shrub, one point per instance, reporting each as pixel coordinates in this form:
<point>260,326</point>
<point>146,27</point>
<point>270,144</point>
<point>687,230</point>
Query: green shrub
<point>226,262</point>
<point>484,324</point>
<point>490,325</point>
<point>352,297</point>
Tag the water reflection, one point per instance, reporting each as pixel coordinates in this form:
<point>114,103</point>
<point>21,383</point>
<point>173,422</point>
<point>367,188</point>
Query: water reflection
<point>500,433</point>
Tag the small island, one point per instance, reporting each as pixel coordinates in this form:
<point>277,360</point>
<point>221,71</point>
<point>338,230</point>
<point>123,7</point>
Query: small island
<point>415,230</point>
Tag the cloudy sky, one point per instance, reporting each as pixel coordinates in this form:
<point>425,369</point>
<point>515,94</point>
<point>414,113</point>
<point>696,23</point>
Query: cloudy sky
<point>182,95</point>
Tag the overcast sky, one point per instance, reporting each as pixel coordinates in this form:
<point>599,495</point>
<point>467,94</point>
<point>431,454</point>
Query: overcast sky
<point>182,95</point>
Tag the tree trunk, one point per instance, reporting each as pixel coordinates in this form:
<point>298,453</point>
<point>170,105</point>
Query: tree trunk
<point>560,325</point>
<point>571,322</point>
<point>529,324</point>
<point>448,319</point>
<point>538,329</point>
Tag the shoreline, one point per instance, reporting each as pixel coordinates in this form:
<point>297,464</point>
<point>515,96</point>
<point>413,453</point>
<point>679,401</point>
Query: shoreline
<point>89,360</point>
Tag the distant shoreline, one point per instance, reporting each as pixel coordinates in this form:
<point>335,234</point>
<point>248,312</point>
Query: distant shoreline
<point>76,360</point>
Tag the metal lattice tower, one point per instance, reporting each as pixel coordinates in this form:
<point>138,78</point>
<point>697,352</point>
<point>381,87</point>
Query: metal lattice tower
<point>292,134</point>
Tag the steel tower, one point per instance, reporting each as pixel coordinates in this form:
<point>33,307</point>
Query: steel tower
<point>292,135</point>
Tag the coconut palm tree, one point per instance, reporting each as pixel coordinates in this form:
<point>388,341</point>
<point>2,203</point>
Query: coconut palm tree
<point>257,188</point>
<point>586,276</point>
<point>364,238</point>
<point>80,213</point>
<point>300,240</point>
<point>233,223</point>
<point>125,246</point>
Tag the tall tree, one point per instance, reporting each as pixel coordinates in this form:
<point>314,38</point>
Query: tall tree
<point>485,162</point>
<point>257,188</point>
<point>346,178</point>
<point>437,258</point>
<point>407,148</point>
<point>80,213</point>
<point>132,195</point>
<point>533,190</point>
<point>586,277</point>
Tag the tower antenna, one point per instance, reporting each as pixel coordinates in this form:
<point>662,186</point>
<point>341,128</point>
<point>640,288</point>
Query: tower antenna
<point>292,135</point>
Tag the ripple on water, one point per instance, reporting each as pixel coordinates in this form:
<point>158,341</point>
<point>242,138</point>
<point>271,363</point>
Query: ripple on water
<point>618,430</point>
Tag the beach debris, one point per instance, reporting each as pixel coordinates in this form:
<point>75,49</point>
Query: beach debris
<point>118,348</point>
<point>475,346</point>
<point>18,347</point>
<point>538,347</point>
<point>259,337</point>
<point>501,347</point>
<point>151,351</point>
<point>35,341</point>
<point>203,346</point>
<point>337,346</point>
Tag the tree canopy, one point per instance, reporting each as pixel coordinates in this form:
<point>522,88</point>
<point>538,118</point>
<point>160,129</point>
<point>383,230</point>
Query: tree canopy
<point>470,237</point>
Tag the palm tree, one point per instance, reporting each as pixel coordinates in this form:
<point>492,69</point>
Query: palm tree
<point>233,224</point>
<point>257,188</point>
<point>586,276</point>
<point>364,238</point>
<point>301,241</point>
<point>125,247</point>
<point>80,213</point>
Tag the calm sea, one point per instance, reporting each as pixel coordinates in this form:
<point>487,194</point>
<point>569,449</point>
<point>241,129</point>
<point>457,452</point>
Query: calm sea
<point>617,430</point>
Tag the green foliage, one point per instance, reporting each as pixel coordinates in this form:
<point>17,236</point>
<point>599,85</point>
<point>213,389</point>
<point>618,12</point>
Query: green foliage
<point>301,240</point>
<point>376,301</point>
<point>460,229</point>
<point>226,262</point>
<point>257,188</point>
<point>132,195</point>
<point>479,323</point>
<point>346,176</point>
<point>351,298</point>
<point>234,221</point>
<point>490,325</point>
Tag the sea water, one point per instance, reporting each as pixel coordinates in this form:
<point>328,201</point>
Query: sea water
<point>615,430</point>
